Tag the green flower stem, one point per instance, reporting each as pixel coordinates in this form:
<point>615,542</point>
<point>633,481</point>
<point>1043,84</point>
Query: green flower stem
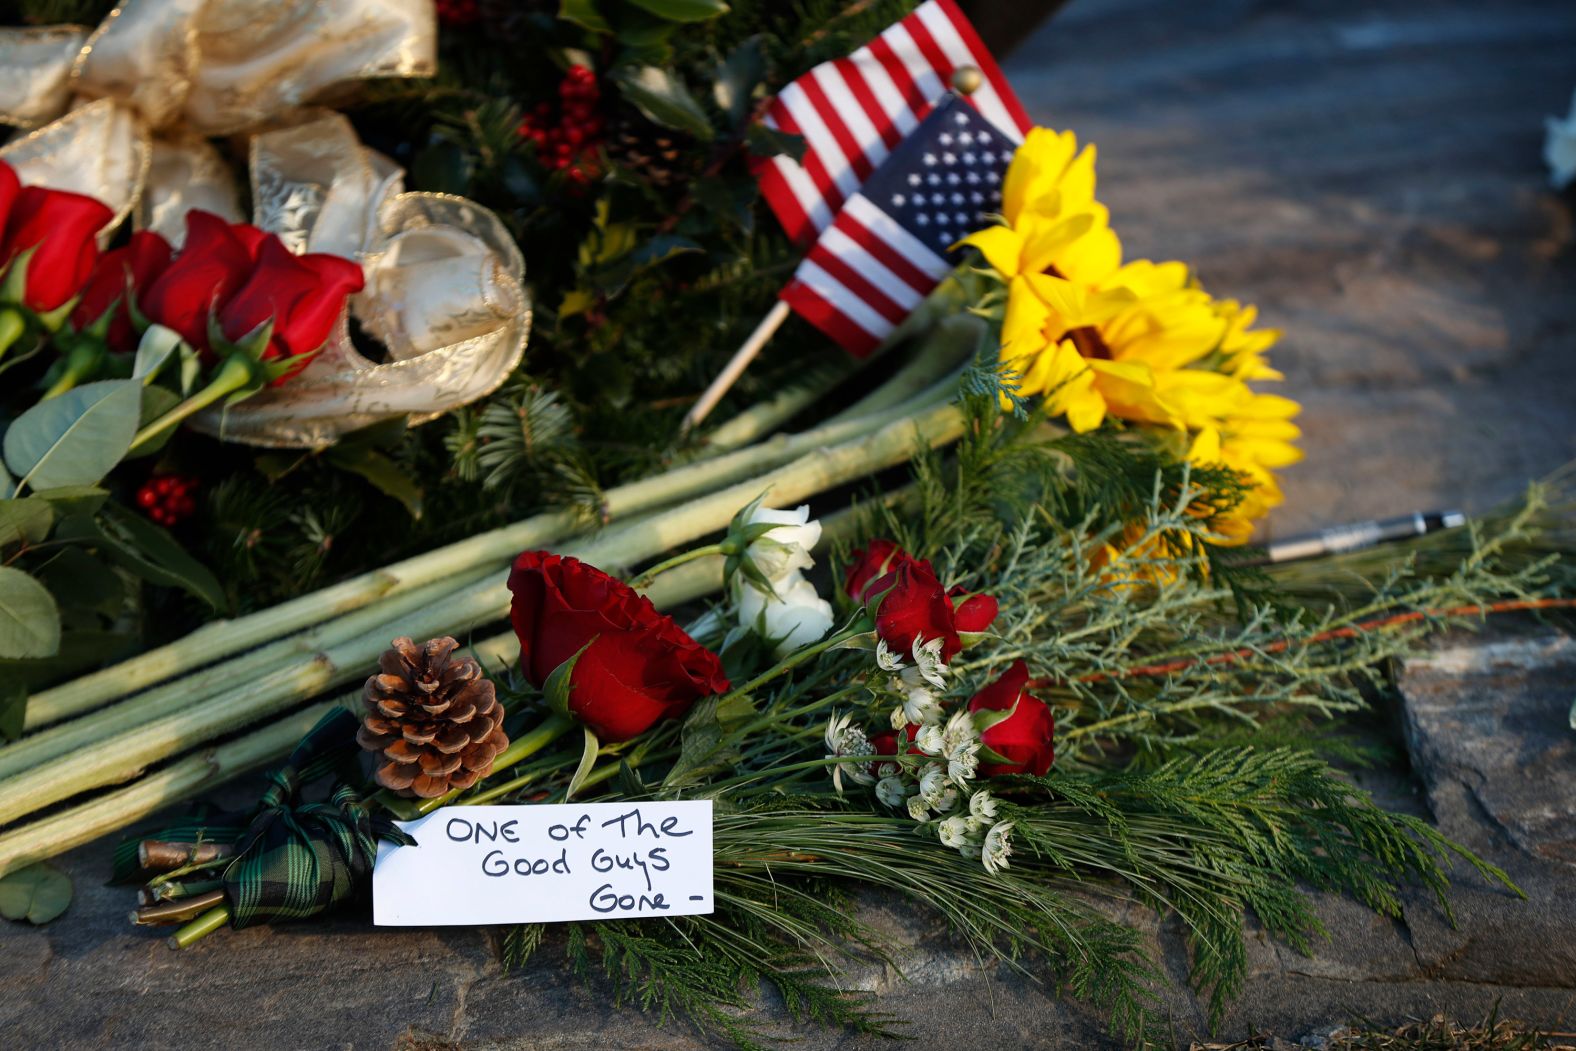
<point>644,580</point>
<point>793,660</point>
<point>85,822</point>
<point>549,730</point>
<point>12,325</point>
<point>487,552</point>
<point>65,738</point>
<point>201,927</point>
<point>236,372</point>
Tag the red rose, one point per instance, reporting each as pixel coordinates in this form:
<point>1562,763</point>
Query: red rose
<point>302,294</point>
<point>214,262</point>
<point>10,186</point>
<point>1027,737</point>
<point>62,229</point>
<point>639,666</point>
<point>128,269</point>
<point>913,604</point>
<point>885,743</point>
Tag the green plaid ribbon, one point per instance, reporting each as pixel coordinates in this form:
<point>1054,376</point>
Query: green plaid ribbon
<point>293,859</point>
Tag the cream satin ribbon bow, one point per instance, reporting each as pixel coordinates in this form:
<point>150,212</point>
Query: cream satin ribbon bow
<point>445,291</point>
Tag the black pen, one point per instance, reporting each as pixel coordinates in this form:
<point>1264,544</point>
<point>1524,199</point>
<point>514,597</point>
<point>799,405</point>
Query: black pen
<point>1337,540</point>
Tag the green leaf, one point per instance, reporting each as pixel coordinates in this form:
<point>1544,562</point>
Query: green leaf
<point>156,347</point>
<point>379,469</point>
<point>769,142</point>
<point>583,13</point>
<point>150,553</point>
<point>700,740</point>
<point>683,10</point>
<point>13,709</point>
<point>29,619</point>
<point>613,279</point>
<point>76,438</point>
<point>587,761</point>
<point>156,401</point>
<point>25,521</point>
<point>81,582</point>
<point>79,651</point>
<point>74,499</point>
<point>36,894</point>
<point>556,689</point>
<point>736,79</point>
<point>663,98</point>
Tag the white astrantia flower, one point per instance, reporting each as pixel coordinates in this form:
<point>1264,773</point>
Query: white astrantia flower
<point>1559,148</point>
<point>886,658</point>
<point>953,832</point>
<point>844,739</point>
<point>888,770</point>
<point>960,731</point>
<point>785,549</point>
<point>970,849</point>
<point>917,808</point>
<point>793,614</point>
<point>963,764</point>
<point>928,664</point>
<point>976,826</point>
<point>997,847</point>
<point>892,791</point>
<point>948,800</point>
<point>919,706</point>
<point>982,805</point>
<point>929,739</point>
<point>933,782</point>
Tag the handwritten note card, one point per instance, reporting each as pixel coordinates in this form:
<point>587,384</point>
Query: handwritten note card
<point>477,865</point>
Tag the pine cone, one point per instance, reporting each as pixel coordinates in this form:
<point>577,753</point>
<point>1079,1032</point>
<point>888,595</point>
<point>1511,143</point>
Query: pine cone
<point>652,154</point>
<point>436,721</point>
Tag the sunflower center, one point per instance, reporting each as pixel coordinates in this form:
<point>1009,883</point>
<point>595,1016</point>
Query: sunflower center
<point>1090,343</point>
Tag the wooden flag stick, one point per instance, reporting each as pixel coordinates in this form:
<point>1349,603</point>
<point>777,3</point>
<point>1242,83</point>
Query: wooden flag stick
<point>736,365</point>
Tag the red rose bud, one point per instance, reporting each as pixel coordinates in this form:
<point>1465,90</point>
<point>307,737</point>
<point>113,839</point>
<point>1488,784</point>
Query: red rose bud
<point>637,666</point>
<point>61,228</point>
<point>912,604</point>
<point>212,265</point>
<point>121,274</point>
<point>1027,737</point>
<point>302,295</point>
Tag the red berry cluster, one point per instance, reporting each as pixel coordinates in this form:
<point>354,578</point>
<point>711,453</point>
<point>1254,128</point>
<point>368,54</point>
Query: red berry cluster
<point>458,12</point>
<point>569,145</point>
<point>167,498</point>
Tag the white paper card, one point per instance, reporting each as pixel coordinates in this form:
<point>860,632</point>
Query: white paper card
<point>475,865</point>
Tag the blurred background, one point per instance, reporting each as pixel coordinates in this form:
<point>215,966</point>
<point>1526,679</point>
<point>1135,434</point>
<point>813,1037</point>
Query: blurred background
<point>1371,175</point>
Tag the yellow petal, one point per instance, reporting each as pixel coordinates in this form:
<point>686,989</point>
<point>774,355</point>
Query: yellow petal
<point>1002,247</point>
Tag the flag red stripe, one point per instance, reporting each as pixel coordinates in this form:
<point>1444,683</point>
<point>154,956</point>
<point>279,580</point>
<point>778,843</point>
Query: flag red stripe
<point>888,256</point>
<point>881,48</point>
<point>784,202</point>
<point>987,64</point>
<point>813,166</point>
<point>808,304</point>
<point>868,102</point>
<point>935,58</point>
<point>856,283</point>
<point>846,142</point>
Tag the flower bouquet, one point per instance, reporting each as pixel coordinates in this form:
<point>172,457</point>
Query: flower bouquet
<point>1022,667</point>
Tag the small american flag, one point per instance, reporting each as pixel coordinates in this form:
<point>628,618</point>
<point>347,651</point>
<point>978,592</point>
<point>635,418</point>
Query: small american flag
<point>854,111</point>
<point>887,248</point>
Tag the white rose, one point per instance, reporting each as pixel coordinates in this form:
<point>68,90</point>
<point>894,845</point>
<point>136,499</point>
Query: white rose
<point>787,547</point>
<point>793,614</point>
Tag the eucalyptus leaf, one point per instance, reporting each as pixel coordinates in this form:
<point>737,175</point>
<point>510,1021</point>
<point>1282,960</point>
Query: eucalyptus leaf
<point>79,651</point>
<point>156,401</point>
<point>157,346</point>
<point>662,97</point>
<point>700,739</point>
<point>76,438</point>
<point>37,894</point>
<point>27,520</point>
<point>74,499</point>
<point>683,10</point>
<point>81,582</point>
<point>29,619</point>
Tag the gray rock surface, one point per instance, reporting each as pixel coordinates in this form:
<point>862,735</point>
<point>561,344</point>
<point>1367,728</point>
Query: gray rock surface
<point>1369,174</point>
